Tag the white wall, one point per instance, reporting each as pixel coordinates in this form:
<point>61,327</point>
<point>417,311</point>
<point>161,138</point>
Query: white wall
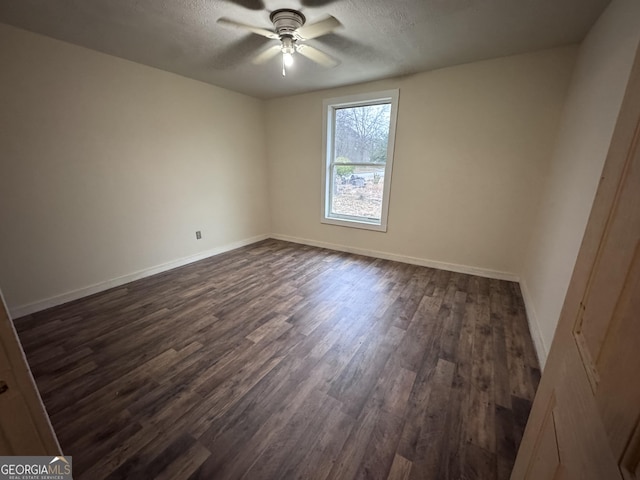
<point>109,167</point>
<point>602,72</point>
<point>472,146</point>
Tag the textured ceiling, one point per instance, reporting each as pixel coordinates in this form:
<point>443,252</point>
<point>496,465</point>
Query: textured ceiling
<point>378,38</point>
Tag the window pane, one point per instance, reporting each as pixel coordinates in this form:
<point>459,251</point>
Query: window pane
<point>357,191</point>
<point>362,134</point>
<point>358,130</point>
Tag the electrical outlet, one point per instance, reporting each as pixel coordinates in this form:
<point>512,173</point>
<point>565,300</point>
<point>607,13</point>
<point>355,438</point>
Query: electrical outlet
<point>198,235</point>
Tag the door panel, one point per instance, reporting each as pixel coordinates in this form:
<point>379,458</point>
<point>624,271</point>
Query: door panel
<point>617,395</point>
<point>581,436</point>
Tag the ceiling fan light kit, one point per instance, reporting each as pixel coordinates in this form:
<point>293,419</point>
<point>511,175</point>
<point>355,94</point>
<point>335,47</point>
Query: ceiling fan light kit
<point>289,28</point>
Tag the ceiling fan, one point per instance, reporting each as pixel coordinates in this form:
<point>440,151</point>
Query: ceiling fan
<point>290,29</point>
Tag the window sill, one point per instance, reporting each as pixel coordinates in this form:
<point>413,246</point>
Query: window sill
<point>362,224</point>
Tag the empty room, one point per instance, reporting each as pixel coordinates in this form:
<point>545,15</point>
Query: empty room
<point>320,239</point>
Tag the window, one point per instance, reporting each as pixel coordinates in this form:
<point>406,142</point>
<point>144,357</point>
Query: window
<point>359,133</point>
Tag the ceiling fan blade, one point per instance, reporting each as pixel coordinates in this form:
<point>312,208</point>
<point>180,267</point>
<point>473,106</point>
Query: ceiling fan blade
<point>267,55</point>
<point>249,4</point>
<point>239,51</point>
<point>328,25</point>
<point>317,56</point>
<point>316,3</point>
<point>260,31</point>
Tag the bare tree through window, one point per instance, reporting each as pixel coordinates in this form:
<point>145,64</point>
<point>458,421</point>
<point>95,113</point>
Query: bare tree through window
<point>362,133</point>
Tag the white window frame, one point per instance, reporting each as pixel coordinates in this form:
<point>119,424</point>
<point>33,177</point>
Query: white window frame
<point>330,106</point>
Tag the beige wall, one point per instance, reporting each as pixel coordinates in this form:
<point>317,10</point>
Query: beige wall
<point>602,71</point>
<point>472,145</point>
<point>109,167</point>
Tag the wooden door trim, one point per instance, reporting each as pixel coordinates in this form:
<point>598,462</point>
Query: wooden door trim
<point>25,383</point>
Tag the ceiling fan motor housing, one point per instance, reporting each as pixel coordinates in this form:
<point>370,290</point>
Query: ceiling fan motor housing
<point>287,21</point>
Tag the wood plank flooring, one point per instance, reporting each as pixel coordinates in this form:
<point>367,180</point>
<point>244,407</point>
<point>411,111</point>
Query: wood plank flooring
<point>281,361</point>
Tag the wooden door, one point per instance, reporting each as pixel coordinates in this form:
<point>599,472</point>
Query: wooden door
<point>584,423</point>
<point>24,425</point>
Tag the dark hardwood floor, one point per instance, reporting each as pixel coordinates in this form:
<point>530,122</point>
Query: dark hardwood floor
<point>280,361</point>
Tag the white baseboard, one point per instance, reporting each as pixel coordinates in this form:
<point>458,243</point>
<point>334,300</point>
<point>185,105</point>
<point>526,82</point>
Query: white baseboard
<point>534,326</point>
<point>29,308</point>
<point>452,267</point>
